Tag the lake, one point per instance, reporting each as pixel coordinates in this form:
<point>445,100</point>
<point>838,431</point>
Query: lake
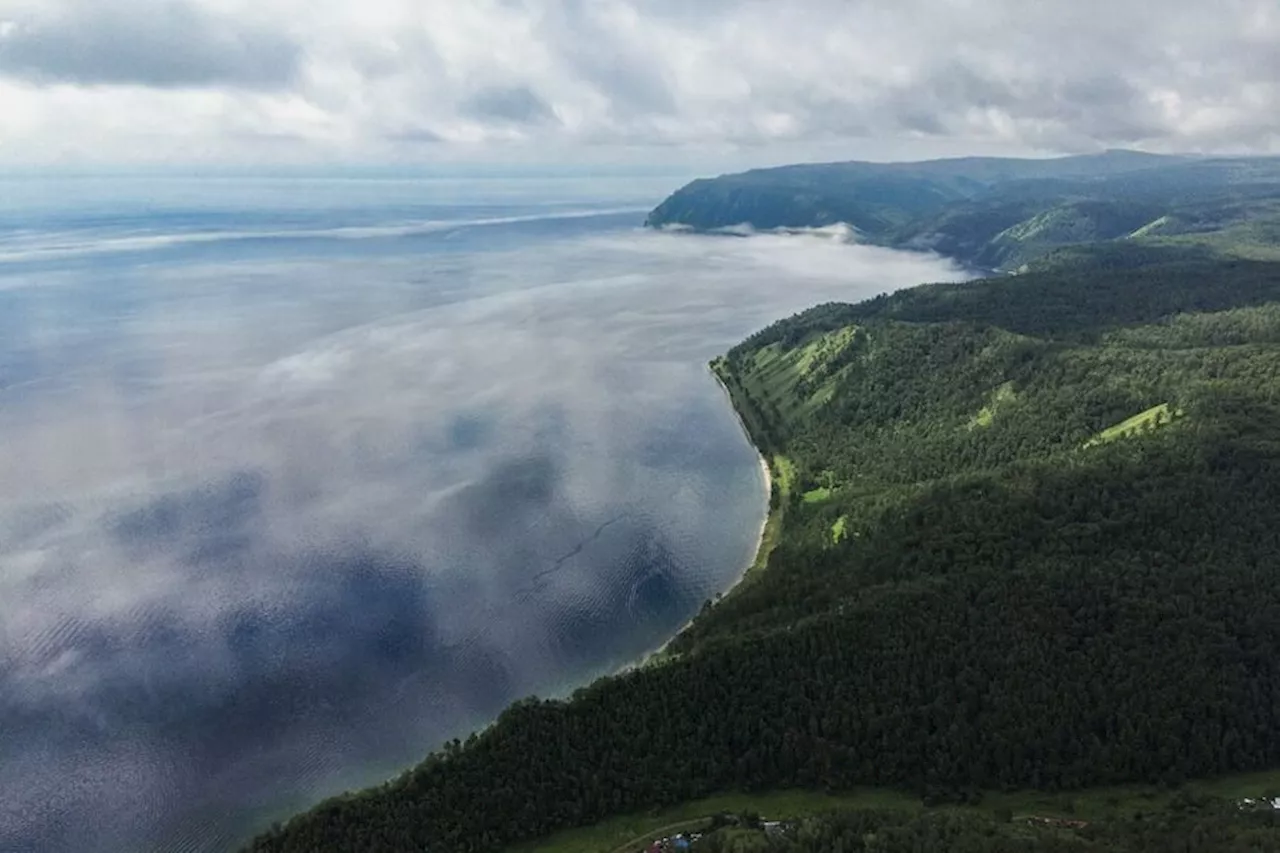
<point>303,476</point>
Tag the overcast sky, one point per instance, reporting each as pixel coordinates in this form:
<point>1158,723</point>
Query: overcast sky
<point>629,81</point>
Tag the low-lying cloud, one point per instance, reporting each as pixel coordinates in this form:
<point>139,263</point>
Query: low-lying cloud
<point>296,521</point>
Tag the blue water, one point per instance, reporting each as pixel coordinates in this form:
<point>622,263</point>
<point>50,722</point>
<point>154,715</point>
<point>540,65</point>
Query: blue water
<point>302,477</point>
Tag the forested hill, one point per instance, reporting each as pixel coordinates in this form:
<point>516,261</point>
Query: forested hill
<point>1002,213</point>
<point>1031,529</point>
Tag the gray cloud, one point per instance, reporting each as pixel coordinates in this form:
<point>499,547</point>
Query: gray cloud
<point>600,51</point>
<point>1047,77</point>
<point>539,79</point>
<point>1063,113</point>
<point>168,44</point>
<point>516,104</point>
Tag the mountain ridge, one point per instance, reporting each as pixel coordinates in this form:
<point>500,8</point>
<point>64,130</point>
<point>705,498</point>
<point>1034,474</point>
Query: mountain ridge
<point>992,213</point>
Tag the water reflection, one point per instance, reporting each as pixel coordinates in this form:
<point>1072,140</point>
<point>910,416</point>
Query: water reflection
<point>283,513</point>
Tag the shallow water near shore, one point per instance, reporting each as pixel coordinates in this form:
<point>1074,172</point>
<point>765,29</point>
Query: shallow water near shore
<point>302,477</point>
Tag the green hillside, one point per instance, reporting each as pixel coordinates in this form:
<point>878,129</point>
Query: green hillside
<point>1028,542</point>
<point>1003,213</point>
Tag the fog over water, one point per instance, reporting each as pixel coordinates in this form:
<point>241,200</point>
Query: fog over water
<point>302,477</point>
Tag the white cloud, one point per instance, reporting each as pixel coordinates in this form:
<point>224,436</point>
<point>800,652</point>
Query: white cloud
<point>542,80</point>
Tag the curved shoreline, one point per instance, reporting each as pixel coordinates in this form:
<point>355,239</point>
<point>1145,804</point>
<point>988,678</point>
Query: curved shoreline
<point>767,474</point>
<point>766,471</point>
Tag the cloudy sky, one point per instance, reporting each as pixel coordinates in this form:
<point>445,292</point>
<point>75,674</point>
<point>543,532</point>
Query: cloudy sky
<point>693,82</point>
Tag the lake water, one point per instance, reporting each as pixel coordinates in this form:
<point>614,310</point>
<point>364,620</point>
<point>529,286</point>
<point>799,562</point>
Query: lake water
<point>301,477</point>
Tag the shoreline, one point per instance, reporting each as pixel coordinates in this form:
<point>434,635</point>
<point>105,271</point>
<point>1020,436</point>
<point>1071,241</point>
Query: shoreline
<point>767,474</point>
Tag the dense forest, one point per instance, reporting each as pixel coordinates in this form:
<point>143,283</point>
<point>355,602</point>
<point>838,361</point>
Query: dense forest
<point>1032,526</point>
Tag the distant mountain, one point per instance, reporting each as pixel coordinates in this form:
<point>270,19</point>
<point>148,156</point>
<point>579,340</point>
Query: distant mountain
<point>998,213</point>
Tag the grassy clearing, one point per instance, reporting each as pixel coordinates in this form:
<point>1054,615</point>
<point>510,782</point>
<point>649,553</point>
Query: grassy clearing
<point>839,530</point>
<point>768,541</point>
<point>1127,800</point>
<point>775,374</point>
<point>817,496</point>
<point>784,474</point>
<point>1153,228</point>
<point>1154,417</point>
<point>1254,238</point>
<point>999,397</point>
<point>632,832</point>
